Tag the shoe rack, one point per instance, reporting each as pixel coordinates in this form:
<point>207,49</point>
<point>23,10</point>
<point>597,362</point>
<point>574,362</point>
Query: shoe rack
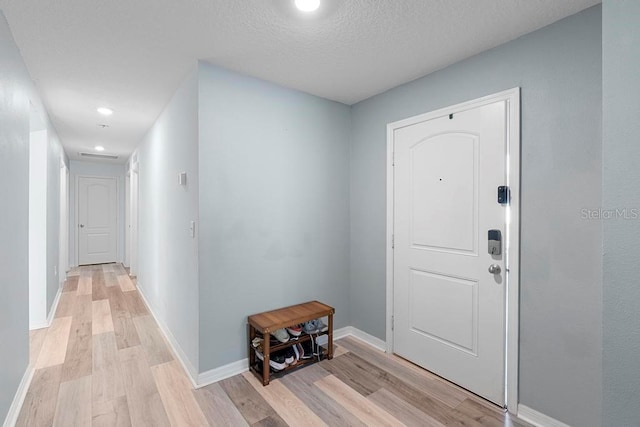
<point>270,321</point>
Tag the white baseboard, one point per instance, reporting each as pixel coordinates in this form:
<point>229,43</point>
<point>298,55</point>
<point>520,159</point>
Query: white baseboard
<point>375,342</point>
<point>54,306</point>
<point>52,313</point>
<point>342,332</point>
<point>538,419</point>
<point>18,399</point>
<point>223,372</point>
<point>39,325</point>
<point>190,370</point>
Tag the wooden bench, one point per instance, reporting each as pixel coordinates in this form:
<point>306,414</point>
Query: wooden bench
<point>270,321</point>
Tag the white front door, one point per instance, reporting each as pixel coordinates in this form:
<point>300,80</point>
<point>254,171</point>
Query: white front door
<point>97,220</point>
<point>449,310</point>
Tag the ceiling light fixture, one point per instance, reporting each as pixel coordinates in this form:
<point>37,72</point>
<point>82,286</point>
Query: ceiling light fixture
<point>99,148</point>
<point>307,5</point>
<point>105,111</point>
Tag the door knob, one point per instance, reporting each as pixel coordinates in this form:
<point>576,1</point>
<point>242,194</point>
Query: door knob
<point>81,225</point>
<point>494,269</point>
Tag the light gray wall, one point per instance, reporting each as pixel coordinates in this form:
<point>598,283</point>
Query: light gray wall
<point>621,181</point>
<point>17,92</point>
<point>559,71</point>
<point>168,256</point>
<point>78,168</point>
<point>14,222</point>
<point>274,206</point>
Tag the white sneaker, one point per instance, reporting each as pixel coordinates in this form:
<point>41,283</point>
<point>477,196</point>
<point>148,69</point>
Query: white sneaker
<point>281,335</point>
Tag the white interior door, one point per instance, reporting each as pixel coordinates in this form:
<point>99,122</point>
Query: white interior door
<point>97,220</point>
<point>449,310</point>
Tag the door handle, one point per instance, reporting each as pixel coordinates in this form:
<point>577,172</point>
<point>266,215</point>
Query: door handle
<point>81,225</point>
<point>494,269</point>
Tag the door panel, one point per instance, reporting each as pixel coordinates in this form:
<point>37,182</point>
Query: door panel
<point>444,308</point>
<point>97,220</point>
<point>443,168</point>
<point>449,311</point>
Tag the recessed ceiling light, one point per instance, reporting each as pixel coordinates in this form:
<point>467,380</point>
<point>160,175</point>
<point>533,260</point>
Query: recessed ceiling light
<point>307,5</point>
<point>105,111</point>
<point>99,148</point>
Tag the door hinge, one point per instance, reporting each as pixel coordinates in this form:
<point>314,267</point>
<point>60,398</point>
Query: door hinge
<point>393,241</point>
<point>393,323</point>
<point>393,158</point>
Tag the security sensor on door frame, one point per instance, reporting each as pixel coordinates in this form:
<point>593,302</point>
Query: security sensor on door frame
<point>182,178</point>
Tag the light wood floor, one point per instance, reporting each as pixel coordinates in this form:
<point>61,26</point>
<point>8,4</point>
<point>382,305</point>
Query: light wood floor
<point>104,362</point>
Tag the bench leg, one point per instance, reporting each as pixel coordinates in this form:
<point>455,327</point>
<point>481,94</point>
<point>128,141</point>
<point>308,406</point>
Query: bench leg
<point>252,353</point>
<point>267,358</point>
<point>330,338</point>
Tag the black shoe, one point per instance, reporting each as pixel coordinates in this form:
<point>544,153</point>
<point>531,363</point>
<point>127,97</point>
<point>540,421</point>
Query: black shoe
<point>291,358</point>
<point>279,360</point>
<point>307,350</point>
<point>276,361</point>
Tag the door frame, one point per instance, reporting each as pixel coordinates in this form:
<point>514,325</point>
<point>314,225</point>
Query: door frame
<point>77,211</point>
<point>134,207</point>
<point>64,222</point>
<point>512,249</point>
<point>127,220</point>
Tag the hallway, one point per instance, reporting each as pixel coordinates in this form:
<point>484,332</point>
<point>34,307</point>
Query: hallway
<point>104,362</point>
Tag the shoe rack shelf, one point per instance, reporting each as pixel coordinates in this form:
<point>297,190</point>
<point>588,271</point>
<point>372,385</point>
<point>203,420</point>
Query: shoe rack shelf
<point>270,321</point>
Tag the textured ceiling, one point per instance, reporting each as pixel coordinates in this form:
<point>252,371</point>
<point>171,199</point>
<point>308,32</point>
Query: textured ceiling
<point>131,55</point>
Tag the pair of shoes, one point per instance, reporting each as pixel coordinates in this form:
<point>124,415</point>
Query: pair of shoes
<point>279,360</point>
<point>276,361</point>
<point>310,327</point>
<point>305,350</point>
<point>314,326</point>
<point>292,355</point>
<point>257,343</point>
<point>281,335</point>
<point>295,330</point>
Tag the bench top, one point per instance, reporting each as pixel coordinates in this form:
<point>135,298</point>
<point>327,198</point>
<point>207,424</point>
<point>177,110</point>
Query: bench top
<point>270,321</point>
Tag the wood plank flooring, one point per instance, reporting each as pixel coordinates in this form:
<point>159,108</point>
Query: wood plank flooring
<point>105,362</point>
